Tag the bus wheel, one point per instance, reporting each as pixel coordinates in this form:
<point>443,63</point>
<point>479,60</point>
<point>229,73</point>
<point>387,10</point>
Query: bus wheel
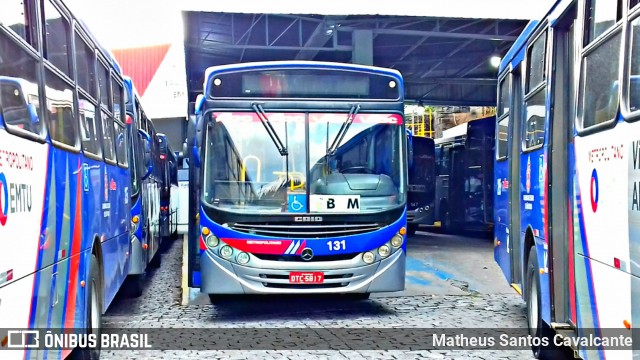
<point>93,313</point>
<point>411,229</point>
<point>537,327</point>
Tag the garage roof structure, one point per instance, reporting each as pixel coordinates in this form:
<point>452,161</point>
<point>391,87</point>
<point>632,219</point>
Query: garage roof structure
<point>445,61</point>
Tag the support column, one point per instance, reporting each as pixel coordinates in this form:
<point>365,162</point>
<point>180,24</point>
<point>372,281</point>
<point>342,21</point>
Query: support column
<point>362,52</point>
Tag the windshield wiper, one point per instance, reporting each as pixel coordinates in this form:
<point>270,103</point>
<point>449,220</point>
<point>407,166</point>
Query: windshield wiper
<point>270,130</point>
<point>343,130</point>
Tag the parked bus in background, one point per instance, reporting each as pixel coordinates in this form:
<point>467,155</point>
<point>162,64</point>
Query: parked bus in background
<point>464,177</point>
<point>182,218</point>
<point>145,196</point>
<point>169,189</point>
<point>421,188</point>
<point>313,198</point>
<point>64,179</point>
<point>567,214</point>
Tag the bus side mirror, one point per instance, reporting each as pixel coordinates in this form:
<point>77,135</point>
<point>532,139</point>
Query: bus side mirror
<point>195,151</point>
<point>146,140</point>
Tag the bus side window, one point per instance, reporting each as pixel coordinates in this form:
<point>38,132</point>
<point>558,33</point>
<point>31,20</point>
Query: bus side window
<point>634,78</point>
<point>107,137</point>
<point>60,110</point>
<point>598,101</point>
<point>19,98</point>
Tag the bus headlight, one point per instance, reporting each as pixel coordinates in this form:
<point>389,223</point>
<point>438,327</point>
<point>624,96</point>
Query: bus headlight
<point>384,251</point>
<point>368,257</point>
<point>211,241</point>
<point>242,258</point>
<point>226,251</point>
<point>397,241</point>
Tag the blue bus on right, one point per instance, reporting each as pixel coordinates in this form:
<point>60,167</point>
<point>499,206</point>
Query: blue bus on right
<point>567,177</point>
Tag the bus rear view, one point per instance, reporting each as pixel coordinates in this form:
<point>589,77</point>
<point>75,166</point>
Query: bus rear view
<point>300,179</point>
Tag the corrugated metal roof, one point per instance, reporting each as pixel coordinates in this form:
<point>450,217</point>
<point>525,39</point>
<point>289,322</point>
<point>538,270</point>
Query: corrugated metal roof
<point>141,64</point>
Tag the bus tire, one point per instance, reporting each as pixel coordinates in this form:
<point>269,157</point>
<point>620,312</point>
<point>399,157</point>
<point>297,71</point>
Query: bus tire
<point>93,311</point>
<point>135,285</point>
<point>537,327</point>
<point>411,229</point>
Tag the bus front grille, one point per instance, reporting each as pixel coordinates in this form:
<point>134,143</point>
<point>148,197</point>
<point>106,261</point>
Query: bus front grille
<point>297,230</point>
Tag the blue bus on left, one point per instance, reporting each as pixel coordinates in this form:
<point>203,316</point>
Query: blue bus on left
<point>64,178</point>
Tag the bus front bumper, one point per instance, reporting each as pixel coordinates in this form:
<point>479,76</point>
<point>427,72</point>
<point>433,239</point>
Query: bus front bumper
<point>220,276</point>
<point>422,216</point>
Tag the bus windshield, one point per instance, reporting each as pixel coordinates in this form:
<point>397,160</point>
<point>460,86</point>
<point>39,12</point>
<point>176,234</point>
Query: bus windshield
<point>247,171</point>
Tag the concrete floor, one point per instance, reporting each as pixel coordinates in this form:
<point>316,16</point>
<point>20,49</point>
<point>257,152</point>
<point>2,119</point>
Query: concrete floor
<point>440,264</point>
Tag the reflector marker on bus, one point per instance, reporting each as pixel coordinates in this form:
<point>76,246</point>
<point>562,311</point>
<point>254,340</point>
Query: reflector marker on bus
<point>620,264</point>
<point>6,276</point>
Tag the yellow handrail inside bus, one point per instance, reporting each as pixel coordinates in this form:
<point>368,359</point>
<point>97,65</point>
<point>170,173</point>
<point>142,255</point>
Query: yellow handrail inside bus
<point>295,175</point>
<point>243,173</point>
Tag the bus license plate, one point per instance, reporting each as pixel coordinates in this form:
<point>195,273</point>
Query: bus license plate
<point>306,278</point>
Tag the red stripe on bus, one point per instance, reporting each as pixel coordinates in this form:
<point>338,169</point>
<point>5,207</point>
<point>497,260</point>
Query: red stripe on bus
<point>44,196</point>
<point>76,243</point>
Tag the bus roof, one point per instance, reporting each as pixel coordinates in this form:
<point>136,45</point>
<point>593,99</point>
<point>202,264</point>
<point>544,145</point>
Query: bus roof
<point>130,88</point>
<point>104,50</point>
<point>298,64</point>
<point>515,53</point>
<point>455,139</point>
<point>461,130</point>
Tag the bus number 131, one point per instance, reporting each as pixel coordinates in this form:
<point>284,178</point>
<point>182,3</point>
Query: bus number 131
<point>336,245</point>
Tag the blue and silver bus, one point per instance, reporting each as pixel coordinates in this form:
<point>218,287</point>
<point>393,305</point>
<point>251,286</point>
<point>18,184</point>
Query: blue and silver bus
<point>464,177</point>
<point>298,177</point>
<point>64,178</point>
<point>567,169</point>
<point>145,195</point>
<point>168,190</point>
<point>422,187</point>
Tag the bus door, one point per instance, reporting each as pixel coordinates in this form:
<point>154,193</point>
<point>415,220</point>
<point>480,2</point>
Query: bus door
<point>457,180</point>
<point>558,172</point>
<point>514,241</point>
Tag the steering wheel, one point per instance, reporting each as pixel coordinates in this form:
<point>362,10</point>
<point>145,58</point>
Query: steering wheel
<point>357,170</point>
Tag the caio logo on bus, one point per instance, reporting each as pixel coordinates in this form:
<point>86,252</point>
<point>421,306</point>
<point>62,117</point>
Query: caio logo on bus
<point>14,198</point>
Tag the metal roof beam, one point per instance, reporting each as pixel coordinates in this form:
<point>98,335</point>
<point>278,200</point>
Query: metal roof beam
<point>471,36</point>
<point>451,102</point>
<point>284,31</point>
<point>455,51</point>
<point>267,47</point>
<point>454,80</point>
<point>318,38</point>
<point>425,38</point>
